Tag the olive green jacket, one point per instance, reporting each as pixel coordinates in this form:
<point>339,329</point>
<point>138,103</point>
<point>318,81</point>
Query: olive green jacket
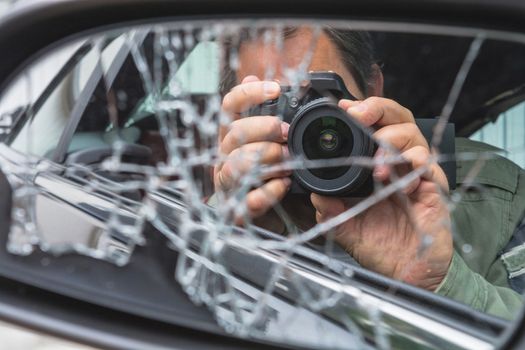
<point>484,220</point>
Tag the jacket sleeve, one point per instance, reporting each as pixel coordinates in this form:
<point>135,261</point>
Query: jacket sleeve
<point>468,287</point>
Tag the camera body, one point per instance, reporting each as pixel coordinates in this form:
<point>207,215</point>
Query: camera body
<point>320,130</point>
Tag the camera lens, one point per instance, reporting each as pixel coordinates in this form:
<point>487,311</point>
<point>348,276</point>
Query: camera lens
<point>323,132</point>
<point>325,138</point>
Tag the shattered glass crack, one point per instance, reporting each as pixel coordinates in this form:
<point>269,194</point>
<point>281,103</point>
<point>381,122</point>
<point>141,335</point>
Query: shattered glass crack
<point>144,150</point>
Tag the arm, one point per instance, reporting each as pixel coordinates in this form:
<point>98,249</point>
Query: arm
<point>464,285</point>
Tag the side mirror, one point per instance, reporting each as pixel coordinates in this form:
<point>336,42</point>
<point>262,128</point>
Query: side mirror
<point>117,220</point>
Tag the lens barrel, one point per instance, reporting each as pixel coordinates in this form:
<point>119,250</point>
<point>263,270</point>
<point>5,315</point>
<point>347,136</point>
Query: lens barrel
<point>320,130</point>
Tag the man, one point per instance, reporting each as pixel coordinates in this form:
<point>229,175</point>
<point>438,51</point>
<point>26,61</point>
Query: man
<point>389,236</point>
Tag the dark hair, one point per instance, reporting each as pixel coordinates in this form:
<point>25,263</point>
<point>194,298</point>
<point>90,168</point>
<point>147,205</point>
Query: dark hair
<point>355,48</point>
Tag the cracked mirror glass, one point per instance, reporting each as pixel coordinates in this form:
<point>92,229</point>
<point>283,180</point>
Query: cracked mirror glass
<point>338,185</point>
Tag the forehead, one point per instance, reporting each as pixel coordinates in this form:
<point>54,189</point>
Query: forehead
<point>271,54</point>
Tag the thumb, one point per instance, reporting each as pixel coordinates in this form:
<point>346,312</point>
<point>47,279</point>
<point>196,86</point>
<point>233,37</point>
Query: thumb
<point>250,79</point>
<point>326,207</point>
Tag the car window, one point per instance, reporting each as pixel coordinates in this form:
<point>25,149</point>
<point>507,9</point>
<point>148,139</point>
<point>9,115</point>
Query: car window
<point>313,184</point>
<point>98,129</point>
<point>507,133</point>
<point>50,122</point>
<point>54,112</point>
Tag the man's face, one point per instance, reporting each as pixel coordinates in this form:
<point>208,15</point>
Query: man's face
<point>256,57</point>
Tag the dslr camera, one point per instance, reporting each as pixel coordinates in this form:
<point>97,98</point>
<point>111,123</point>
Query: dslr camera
<point>319,130</point>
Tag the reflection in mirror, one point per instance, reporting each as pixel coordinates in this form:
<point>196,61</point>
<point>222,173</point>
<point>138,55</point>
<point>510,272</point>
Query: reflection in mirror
<point>317,183</point>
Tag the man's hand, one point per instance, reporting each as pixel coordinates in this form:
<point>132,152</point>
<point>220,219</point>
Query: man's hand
<point>406,236</point>
<point>252,141</point>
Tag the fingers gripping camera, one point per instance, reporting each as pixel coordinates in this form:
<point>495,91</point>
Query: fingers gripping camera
<point>320,130</point>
